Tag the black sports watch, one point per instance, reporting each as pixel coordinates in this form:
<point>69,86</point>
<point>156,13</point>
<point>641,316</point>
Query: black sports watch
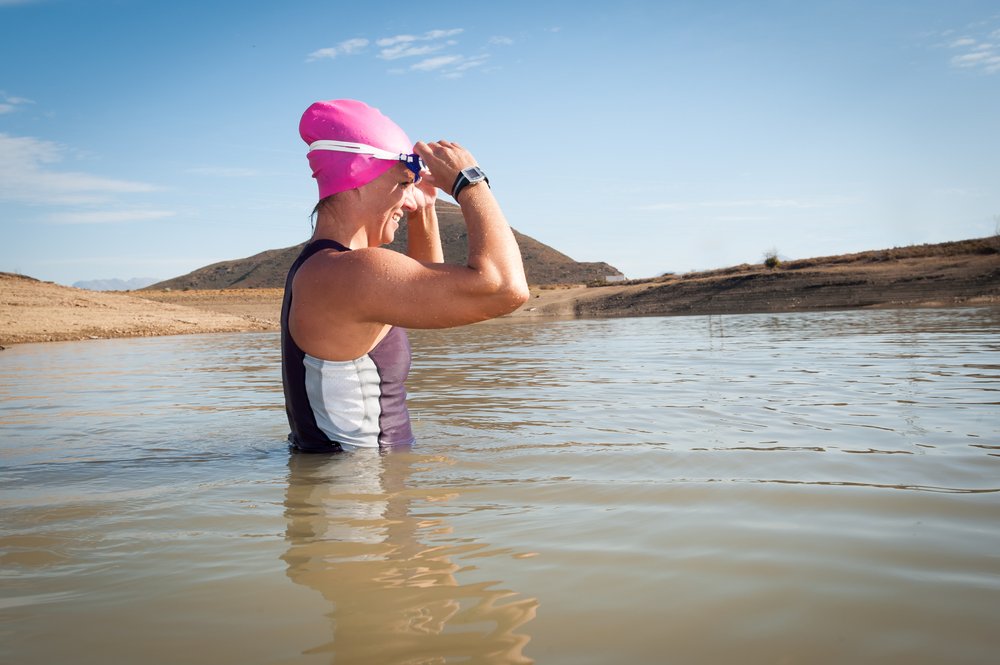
<point>466,177</point>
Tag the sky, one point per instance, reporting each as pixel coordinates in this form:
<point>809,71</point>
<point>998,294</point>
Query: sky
<point>141,138</point>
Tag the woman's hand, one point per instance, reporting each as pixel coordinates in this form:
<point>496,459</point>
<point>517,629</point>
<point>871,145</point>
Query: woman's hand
<point>423,235</point>
<point>425,192</point>
<point>444,159</point>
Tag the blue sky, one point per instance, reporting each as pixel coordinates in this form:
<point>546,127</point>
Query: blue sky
<point>142,138</point>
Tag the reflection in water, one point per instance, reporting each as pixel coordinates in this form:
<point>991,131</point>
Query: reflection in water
<point>802,488</point>
<point>354,536</point>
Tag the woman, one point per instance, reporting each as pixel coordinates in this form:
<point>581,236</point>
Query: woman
<point>345,355</point>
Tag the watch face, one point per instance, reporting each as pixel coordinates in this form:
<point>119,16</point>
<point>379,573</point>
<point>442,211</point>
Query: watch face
<point>474,174</point>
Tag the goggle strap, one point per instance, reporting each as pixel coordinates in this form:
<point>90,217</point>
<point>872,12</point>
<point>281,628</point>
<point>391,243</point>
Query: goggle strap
<point>359,148</point>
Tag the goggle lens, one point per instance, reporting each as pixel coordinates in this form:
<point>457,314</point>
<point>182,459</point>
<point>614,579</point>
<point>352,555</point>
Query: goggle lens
<point>414,163</point>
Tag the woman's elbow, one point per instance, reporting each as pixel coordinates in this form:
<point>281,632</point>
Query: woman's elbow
<point>502,298</point>
<point>511,295</point>
<point>519,294</point>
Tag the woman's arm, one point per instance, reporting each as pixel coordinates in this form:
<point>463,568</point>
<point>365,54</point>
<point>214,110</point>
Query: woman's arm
<point>494,256</point>
<point>423,238</point>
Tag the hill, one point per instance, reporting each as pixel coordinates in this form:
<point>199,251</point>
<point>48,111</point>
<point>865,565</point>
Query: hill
<point>965,272</point>
<point>542,264</point>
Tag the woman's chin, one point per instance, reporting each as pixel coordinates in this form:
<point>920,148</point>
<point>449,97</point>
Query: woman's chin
<point>389,232</point>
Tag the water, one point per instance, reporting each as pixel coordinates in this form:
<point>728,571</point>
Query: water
<point>801,488</point>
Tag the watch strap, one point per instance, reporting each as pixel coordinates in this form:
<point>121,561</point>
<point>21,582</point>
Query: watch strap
<point>463,181</point>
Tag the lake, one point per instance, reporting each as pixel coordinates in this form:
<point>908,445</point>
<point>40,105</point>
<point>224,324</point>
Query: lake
<point>793,488</point>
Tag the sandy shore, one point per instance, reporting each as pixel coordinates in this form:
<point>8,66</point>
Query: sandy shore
<point>35,311</point>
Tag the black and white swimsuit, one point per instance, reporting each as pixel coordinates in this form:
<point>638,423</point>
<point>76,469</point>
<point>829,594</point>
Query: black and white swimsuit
<point>333,404</point>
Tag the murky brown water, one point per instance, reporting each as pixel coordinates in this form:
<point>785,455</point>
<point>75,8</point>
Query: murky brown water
<point>816,488</point>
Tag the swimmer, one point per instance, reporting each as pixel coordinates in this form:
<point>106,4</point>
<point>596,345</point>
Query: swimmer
<point>348,300</point>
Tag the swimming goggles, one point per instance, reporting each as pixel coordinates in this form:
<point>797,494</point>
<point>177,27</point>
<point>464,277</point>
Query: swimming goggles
<point>412,160</point>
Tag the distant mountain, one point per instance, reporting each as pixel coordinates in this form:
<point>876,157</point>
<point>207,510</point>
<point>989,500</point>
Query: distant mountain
<point>542,264</point>
<point>116,284</point>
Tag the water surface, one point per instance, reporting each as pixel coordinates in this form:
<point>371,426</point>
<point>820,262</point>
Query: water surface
<point>800,488</point>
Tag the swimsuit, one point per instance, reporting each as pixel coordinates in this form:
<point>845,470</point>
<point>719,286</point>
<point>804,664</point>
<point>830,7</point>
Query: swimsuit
<point>334,405</point>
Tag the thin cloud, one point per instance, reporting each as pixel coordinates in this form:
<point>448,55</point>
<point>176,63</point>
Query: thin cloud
<point>429,50</point>
<point>430,64</point>
<point>973,52</point>
<point>26,176</point>
<point>353,45</point>
<point>430,35</point>
<point>406,51</point>
<point>9,103</point>
<point>440,34</point>
<point>404,46</point>
<point>346,47</point>
<point>108,216</point>
<point>450,66</point>
<point>393,41</point>
<point>458,70</point>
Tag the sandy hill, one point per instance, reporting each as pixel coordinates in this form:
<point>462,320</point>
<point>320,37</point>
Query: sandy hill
<point>542,264</point>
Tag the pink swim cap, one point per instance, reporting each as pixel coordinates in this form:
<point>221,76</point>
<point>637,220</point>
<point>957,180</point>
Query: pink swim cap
<point>355,122</point>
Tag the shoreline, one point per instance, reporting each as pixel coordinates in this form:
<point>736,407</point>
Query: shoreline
<point>35,311</point>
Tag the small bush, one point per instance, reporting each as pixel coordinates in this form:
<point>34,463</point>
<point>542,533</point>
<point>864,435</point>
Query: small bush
<point>771,259</point>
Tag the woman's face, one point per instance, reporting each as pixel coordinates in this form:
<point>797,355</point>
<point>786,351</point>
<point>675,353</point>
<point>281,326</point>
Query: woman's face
<point>386,199</point>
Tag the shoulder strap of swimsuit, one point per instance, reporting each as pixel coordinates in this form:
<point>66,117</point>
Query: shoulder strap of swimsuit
<point>320,245</point>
